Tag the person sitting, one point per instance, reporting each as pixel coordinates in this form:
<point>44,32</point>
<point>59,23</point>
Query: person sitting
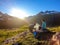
<point>43,26</point>
<point>44,29</point>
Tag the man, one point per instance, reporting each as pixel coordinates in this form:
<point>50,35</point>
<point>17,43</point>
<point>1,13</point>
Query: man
<point>43,26</point>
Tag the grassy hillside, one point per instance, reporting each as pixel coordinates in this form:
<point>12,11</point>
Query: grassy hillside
<point>54,29</point>
<point>27,40</point>
<point>7,33</point>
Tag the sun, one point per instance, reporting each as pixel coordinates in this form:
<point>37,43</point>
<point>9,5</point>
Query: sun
<point>18,13</point>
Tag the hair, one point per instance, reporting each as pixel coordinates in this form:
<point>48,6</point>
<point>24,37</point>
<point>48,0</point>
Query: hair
<point>39,27</point>
<point>43,20</point>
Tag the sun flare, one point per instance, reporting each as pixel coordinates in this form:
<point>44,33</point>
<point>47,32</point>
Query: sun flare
<point>18,13</point>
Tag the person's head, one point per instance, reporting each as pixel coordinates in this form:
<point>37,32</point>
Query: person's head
<point>42,20</point>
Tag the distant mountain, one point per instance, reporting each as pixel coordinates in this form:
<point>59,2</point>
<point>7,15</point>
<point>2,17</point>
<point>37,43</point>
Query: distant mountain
<point>48,12</point>
<point>7,21</point>
<point>52,18</point>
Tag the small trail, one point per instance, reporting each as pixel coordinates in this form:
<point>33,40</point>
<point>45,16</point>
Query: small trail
<point>14,38</point>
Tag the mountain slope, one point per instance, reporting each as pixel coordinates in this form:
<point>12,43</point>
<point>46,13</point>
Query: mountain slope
<point>7,21</point>
<point>52,18</point>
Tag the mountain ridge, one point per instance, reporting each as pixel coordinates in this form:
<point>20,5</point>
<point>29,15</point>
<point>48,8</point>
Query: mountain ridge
<point>52,19</point>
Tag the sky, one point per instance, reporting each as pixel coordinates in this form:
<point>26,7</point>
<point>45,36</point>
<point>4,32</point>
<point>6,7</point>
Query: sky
<point>32,7</point>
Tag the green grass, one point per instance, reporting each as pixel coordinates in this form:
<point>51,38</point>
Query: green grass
<point>54,29</point>
<point>27,40</point>
<point>7,33</point>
